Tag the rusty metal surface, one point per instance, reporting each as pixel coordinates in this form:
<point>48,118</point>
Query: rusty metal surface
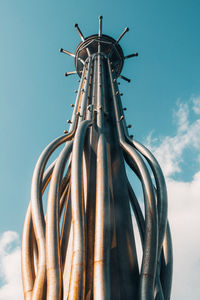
<point>82,244</point>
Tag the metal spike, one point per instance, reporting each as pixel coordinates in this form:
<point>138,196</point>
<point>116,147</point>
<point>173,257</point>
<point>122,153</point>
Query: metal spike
<point>71,54</point>
<point>67,52</point>
<point>100,26</point>
<point>79,32</point>
<point>117,41</point>
<point>131,55</point>
<point>125,78</point>
<point>70,73</point>
<point>123,33</point>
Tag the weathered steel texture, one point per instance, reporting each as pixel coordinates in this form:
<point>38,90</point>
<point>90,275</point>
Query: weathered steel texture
<point>85,246</point>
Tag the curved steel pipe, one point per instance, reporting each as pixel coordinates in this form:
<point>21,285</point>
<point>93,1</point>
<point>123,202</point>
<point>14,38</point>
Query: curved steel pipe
<point>37,210</point>
<point>53,260</point>
<point>149,261</point>
<point>102,235</point>
<point>77,278</point>
<point>161,191</point>
<point>140,220</point>
<point>28,274</point>
<point>66,225</point>
<point>167,265</point>
<point>137,212</point>
<point>102,240</point>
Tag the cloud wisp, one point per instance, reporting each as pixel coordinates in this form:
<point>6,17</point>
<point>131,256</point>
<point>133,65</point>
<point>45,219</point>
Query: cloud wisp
<point>170,149</point>
<point>10,267</point>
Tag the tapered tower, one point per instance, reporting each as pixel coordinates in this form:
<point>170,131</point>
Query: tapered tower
<point>82,245</point>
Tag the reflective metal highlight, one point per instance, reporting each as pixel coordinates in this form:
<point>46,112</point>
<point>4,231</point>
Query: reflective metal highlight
<point>81,244</point>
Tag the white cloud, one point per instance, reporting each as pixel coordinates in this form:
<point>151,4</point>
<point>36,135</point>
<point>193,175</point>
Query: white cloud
<point>184,199</point>
<point>196,105</point>
<point>184,208</point>
<point>10,267</point>
<point>181,116</point>
<point>169,150</point>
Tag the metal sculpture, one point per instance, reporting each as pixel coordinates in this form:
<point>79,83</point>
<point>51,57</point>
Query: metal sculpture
<point>84,247</point>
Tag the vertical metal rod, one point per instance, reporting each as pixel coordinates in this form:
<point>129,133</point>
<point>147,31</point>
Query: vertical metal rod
<point>102,243</point>
<point>53,259</point>
<point>100,26</point>
<point>85,90</point>
<point>102,240</point>
<point>90,150</point>
<point>77,278</point>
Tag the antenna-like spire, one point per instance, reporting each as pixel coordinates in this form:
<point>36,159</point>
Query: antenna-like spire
<point>82,244</point>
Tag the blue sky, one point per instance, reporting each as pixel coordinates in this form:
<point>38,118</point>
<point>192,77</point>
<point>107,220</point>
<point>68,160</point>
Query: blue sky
<point>163,101</point>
